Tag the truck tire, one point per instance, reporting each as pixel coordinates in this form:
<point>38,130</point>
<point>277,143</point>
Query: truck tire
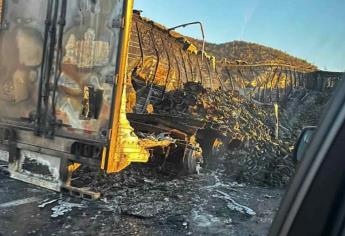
<point>189,162</point>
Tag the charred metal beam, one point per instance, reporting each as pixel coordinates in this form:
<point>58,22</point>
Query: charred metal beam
<point>271,85</point>
<point>190,66</point>
<point>200,72</point>
<point>262,96</point>
<point>230,78</point>
<point>188,126</point>
<point>156,54</point>
<point>277,85</point>
<point>295,79</point>
<point>219,79</point>
<point>210,74</point>
<point>177,64</point>
<point>169,65</point>
<point>184,64</point>
<point>139,35</point>
<point>202,32</point>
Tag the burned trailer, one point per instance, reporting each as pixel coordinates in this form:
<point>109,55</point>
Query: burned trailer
<point>162,61</point>
<point>69,94</point>
<point>62,66</point>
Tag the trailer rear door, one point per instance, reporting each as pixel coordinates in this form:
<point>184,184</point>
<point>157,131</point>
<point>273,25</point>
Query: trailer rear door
<point>57,65</point>
<point>21,50</point>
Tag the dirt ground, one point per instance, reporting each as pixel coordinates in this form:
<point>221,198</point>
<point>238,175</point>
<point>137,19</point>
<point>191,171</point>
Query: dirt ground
<point>142,201</point>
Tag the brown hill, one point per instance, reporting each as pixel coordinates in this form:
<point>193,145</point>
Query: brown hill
<point>253,53</point>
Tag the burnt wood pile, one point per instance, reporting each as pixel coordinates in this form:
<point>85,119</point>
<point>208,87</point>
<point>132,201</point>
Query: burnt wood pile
<point>250,129</point>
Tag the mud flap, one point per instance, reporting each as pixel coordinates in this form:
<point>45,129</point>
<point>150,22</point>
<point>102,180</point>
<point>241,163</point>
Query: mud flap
<point>4,156</point>
<point>45,171</point>
<point>37,169</point>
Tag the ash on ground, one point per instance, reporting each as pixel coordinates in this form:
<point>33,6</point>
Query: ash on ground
<point>211,203</point>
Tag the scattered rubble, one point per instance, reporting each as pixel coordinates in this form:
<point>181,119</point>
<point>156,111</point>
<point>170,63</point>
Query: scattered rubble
<point>305,108</point>
<point>47,202</point>
<point>209,202</point>
<point>64,207</point>
<point>233,205</point>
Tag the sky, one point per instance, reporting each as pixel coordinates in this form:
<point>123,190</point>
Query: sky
<point>313,30</point>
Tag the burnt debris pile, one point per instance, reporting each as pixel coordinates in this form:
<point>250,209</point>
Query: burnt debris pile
<point>305,107</point>
<point>262,159</point>
<point>251,153</point>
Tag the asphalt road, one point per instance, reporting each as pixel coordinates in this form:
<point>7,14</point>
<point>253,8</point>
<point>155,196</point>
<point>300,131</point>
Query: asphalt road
<point>20,213</point>
<point>192,206</point>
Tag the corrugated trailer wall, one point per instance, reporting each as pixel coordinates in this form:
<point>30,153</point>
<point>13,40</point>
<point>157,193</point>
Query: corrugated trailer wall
<point>163,62</point>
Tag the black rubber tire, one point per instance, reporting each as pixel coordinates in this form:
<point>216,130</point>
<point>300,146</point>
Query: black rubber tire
<point>189,163</point>
<point>210,153</point>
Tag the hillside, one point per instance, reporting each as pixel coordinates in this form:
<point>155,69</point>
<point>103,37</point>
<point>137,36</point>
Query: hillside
<point>254,53</point>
